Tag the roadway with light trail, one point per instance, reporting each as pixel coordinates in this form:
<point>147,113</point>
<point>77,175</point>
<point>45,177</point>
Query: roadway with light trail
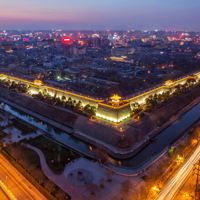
<point>3,195</point>
<point>173,185</point>
<point>20,187</point>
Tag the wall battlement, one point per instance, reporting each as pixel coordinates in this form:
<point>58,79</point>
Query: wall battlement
<point>116,109</point>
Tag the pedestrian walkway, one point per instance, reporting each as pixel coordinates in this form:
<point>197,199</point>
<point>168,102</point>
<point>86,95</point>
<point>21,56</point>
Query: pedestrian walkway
<point>82,192</point>
<point>59,179</point>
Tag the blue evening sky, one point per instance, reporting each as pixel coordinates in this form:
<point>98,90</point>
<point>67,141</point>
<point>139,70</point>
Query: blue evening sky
<point>100,14</point>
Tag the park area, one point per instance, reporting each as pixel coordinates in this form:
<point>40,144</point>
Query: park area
<point>56,156</point>
<point>29,160</point>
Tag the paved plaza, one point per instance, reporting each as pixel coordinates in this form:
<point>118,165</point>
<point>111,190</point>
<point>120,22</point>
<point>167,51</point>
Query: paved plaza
<point>80,177</point>
<point>75,187</point>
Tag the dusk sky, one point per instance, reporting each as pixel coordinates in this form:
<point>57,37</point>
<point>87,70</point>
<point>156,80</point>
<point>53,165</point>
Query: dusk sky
<point>100,14</point>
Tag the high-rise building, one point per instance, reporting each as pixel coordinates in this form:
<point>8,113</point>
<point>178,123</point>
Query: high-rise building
<point>96,42</point>
<point>7,46</point>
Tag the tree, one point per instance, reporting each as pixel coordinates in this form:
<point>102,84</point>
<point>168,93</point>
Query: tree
<point>136,105</point>
<point>16,153</point>
<point>93,110</point>
<point>63,98</point>
<point>143,192</point>
<point>90,109</point>
<point>115,198</point>
<point>74,102</point>
<point>78,105</point>
<point>155,97</point>
<point>166,95</point>
<point>32,168</point>
<point>92,187</point>
<point>1,145</point>
<point>55,95</point>
<point>21,87</point>
<point>39,175</point>
<point>191,81</point>
<point>101,181</point>
<point>59,159</point>
<point>49,185</point>
<point>87,107</point>
<point>196,132</point>
<point>59,148</point>
<point>148,102</point>
<point>13,86</point>
<point>126,186</point>
<point>60,195</point>
<point>109,173</point>
<point>69,99</point>
<point>25,163</point>
<point>101,154</point>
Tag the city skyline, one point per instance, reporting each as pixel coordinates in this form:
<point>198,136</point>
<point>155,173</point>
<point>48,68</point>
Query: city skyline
<point>112,15</point>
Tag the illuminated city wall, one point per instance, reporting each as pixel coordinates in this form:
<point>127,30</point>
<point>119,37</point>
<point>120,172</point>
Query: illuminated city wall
<point>164,88</point>
<point>141,98</point>
<point>16,80</point>
<point>113,114</point>
<point>104,110</point>
<point>34,89</point>
<point>60,93</point>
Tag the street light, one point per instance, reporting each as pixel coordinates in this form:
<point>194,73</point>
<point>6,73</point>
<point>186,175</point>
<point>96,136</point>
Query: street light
<point>180,159</point>
<point>155,188</point>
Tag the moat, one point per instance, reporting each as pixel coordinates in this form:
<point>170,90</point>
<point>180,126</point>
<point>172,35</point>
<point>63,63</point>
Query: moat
<point>159,143</point>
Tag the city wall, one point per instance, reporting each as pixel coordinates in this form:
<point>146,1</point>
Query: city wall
<point>34,89</point>
<point>140,97</point>
<point>115,114</point>
<point>97,131</point>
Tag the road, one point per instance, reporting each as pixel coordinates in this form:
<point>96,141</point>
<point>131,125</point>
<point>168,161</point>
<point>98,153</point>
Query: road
<point>173,185</point>
<point>20,187</point>
<point>3,195</point>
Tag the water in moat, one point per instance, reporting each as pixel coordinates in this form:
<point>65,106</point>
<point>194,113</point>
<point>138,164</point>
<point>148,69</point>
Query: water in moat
<point>160,142</point>
<point>57,133</point>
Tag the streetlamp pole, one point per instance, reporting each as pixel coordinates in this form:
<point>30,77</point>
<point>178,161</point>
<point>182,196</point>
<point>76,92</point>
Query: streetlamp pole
<point>197,179</point>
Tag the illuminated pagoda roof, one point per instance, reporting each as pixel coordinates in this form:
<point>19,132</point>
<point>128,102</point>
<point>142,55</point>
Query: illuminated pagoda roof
<point>38,82</point>
<point>169,83</point>
<point>115,98</point>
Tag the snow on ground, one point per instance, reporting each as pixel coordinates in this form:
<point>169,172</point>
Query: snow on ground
<point>15,133</point>
<point>99,172</point>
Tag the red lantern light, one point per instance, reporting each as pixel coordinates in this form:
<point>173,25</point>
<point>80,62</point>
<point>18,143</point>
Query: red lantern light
<point>66,39</point>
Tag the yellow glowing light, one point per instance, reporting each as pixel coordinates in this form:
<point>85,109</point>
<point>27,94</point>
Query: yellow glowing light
<point>8,192</point>
<point>169,82</point>
<point>115,97</point>
<point>181,160</point>
<point>194,142</point>
<point>155,188</point>
<point>114,101</point>
<point>28,82</point>
<point>38,82</point>
<point>114,107</point>
<point>112,119</point>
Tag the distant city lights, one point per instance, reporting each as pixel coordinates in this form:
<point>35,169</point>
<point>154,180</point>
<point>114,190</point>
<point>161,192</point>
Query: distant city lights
<point>66,39</point>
